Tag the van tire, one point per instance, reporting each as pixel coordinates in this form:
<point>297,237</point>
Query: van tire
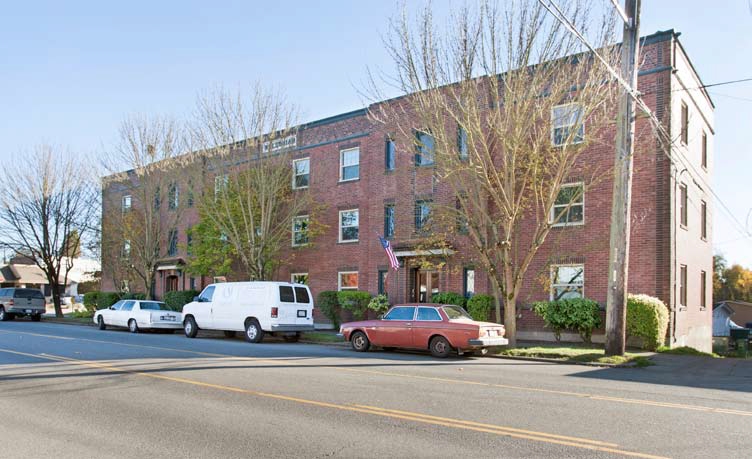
<point>253,331</point>
<point>229,334</point>
<point>190,328</point>
<point>359,341</point>
<point>100,323</point>
<point>3,314</point>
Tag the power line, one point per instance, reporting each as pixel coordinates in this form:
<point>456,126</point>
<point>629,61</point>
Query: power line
<point>723,83</point>
<point>716,93</point>
<point>663,134</point>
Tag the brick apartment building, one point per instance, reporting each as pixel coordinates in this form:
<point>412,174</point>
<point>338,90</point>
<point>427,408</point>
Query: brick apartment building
<point>371,185</point>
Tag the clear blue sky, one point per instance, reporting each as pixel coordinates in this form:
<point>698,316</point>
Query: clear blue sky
<point>70,71</point>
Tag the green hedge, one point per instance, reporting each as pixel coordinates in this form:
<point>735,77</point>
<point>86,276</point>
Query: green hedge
<point>480,306</point>
<point>647,318</point>
<point>354,301</point>
<point>133,296</point>
<point>107,299</point>
<point>449,298</point>
<point>177,299</point>
<point>578,314</point>
<point>90,300</point>
<point>103,300</point>
<point>328,303</point>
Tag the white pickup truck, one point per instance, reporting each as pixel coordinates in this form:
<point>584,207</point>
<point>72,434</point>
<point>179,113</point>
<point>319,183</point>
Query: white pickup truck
<point>255,308</point>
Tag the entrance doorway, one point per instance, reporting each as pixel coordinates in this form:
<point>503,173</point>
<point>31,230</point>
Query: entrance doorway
<point>426,285</point>
<point>171,283</point>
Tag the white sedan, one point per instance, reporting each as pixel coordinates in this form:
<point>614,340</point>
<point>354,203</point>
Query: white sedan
<point>137,315</point>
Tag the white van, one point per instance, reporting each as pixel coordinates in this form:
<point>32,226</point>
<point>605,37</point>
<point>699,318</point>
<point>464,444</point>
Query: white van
<point>254,308</point>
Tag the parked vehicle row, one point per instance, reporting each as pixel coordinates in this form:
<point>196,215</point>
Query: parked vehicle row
<point>285,309</point>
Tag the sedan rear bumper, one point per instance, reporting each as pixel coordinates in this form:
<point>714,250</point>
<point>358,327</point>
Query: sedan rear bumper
<point>484,342</point>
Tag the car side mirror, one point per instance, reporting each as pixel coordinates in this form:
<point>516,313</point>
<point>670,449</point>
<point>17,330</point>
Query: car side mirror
<point>380,316</point>
<point>197,299</point>
<point>112,308</point>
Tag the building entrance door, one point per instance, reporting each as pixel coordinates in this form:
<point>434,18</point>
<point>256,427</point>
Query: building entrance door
<point>426,285</point>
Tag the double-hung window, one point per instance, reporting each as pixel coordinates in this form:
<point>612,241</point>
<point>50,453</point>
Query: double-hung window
<point>569,207</point>
<point>299,278</point>
<point>172,248</point>
<point>173,196</point>
<point>468,282</point>
<point>683,285</point>
<point>347,280</point>
<point>389,154</point>
<point>704,220</point>
<point>684,133</point>
<point>349,164</point>
<point>422,214</point>
<point>462,143</point>
<point>683,202</point>
<point>568,127</point>
<point>300,230</point>
<point>389,220</point>
<point>301,173</point>
<point>220,184</point>
<point>127,203</point>
<point>567,281</point>
<point>348,225</point>
<point>425,146</point>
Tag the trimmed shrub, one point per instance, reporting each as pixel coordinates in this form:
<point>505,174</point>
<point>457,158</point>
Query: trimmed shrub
<point>480,306</point>
<point>174,301</point>
<point>379,304</point>
<point>354,301</point>
<point>578,314</point>
<point>90,300</point>
<point>449,298</point>
<point>647,318</point>
<point>329,304</point>
<point>107,299</point>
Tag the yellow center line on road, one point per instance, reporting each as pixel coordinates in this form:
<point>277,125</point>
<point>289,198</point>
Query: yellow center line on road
<point>575,442</point>
<point>604,398</point>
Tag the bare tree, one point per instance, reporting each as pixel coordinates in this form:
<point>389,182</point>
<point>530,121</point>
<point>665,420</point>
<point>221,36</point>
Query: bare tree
<point>146,200</point>
<point>47,196</point>
<point>510,101</point>
<point>250,203</point>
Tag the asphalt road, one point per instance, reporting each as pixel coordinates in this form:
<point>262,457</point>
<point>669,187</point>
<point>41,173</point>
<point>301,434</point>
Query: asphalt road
<point>71,391</point>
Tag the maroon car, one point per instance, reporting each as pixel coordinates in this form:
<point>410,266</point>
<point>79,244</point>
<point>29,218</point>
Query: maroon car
<point>439,328</point>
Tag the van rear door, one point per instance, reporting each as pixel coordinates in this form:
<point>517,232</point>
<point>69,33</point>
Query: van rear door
<point>304,306</point>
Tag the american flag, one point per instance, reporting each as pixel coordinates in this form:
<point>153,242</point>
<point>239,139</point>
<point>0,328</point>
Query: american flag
<point>389,253</point>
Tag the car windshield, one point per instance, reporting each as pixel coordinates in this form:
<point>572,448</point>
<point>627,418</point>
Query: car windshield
<point>456,313</point>
<point>152,306</point>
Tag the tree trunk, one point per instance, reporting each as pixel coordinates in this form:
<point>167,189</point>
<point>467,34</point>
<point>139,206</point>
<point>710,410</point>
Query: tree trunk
<point>56,300</point>
<point>510,320</point>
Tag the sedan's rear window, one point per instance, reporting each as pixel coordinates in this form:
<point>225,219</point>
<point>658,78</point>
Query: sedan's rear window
<point>428,314</point>
<point>456,313</point>
<point>151,306</point>
<point>28,293</point>
<point>301,295</point>
<point>285,294</point>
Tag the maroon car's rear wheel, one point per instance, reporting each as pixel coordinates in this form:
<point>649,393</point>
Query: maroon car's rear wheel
<point>360,342</point>
<point>440,347</point>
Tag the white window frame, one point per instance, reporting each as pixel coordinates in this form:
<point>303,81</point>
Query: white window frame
<point>294,219</point>
<point>220,183</point>
<point>125,250</point>
<point>339,280</point>
<point>552,215</point>
<point>339,224</point>
<point>553,269</point>
<point>129,199</point>
<point>293,275</point>
<point>342,165</point>
<point>554,126</point>
<point>172,205</point>
<point>295,173</point>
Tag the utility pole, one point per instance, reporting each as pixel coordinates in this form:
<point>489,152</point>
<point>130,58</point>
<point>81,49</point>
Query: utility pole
<point>616,306</point>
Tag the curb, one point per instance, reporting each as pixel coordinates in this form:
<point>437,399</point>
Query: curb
<point>564,362</point>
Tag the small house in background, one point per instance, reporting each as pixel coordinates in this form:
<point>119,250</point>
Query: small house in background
<point>22,272</point>
<point>731,314</point>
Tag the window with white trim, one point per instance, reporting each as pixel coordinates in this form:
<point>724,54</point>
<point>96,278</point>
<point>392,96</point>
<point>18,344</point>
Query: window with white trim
<point>299,278</point>
<point>569,207</point>
<point>125,251</point>
<point>349,164</point>
<point>301,173</point>
<point>348,225</point>
<point>126,203</point>
<point>220,184</point>
<point>173,196</point>
<point>563,119</point>
<point>347,280</point>
<point>567,281</point>
<point>300,230</point>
